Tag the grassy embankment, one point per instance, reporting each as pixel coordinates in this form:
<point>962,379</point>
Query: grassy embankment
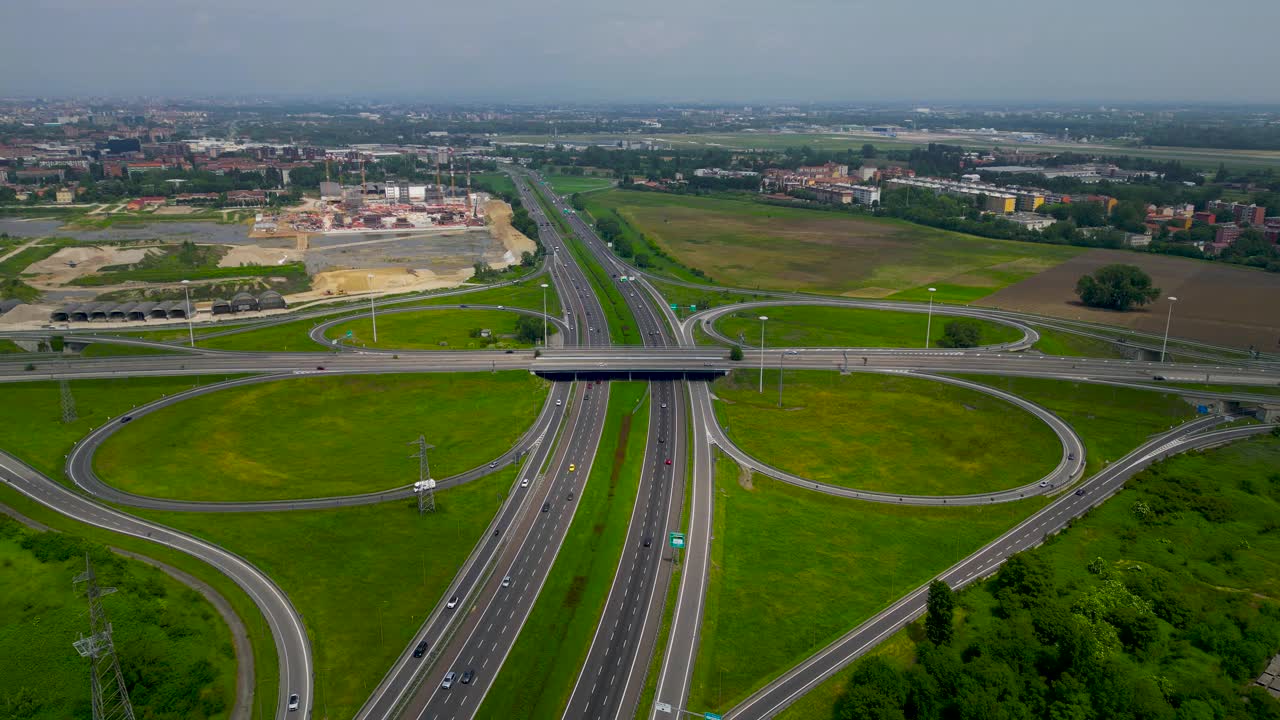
<point>319,436</point>
<point>1205,559</point>
<point>818,326</point>
<point>435,330</point>
<point>173,646</point>
<point>292,336</point>
<point>12,268</point>
<point>754,245</point>
<point>1053,342</point>
<point>36,434</point>
<point>566,185</point>
<point>539,674</point>
<point>656,260</point>
<point>809,567</point>
<point>885,433</point>
<point>367,577</point>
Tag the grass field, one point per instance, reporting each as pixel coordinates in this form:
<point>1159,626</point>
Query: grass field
<point>817,326</point>
<point>656,261</point>
<point>433,330</point>
<point>1053,342</point>
<point>1110,420</point>
<point>172,644</point>
<point>8,346</point>
<point>810,567</point>
<point>747,244</point>
<point>319,436</point>
<point>496,182</point>
<point>567,185</point>
<point>885,433</point>
<point>367,578</point>
<point>34,432</point>
<point>699,298</point>
<point>1211,565</point>
<point>112,350</point>
<point>538,676</point>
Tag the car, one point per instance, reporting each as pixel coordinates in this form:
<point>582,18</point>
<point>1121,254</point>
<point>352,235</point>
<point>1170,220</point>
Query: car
<point>597,382</point>
<point>462,306</point>
<point>648,541</point>
<point>668,461</point>
<point>453,602</point>
<point>497,531</point>
<point>662,439</point>
<point>319,367</point>
<point>524,482</point>
<point>572,467</point>
<point>448,679</point>
<point>506,581</point>
<point>546,507</point>
<point>293,702</point>
<point>420,650</point>
<point>510,352</point>
<point>664,406</point>
<point>559,402</point>
<point>1080,492</point>
<point>570,495</point>
<point>1158,377</point>
<point>493,464</point>
<point>590,329</point>
<point>1044,483</point>
<point>125,419</point>
<point>467,676</point>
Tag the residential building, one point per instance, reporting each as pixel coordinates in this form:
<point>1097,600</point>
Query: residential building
<point>1227,234</point>
<point>994,198</point>
<point>1240,212</point>
<point>64,196</point>
<point>1031,220</point>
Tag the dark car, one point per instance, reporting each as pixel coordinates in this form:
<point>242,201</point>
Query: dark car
<point>462,306</point>
<point>125,419</point>
<point>467,676</point>
<point>420,650</point>
<point>662,439</point>
<point>648,541</point>
<point>511,352</point>
<point>319,367</point>
<point>1080,492</point>
<point>570,495</point>
<point>546,507</point>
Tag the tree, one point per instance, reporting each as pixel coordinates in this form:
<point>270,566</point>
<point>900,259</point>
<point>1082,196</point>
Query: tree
<point>961,333</point>
<point>735,353</point>
<point>1116,287</point>
<point>938,617</point>
<point>868,150</point>
<point>528,329</point>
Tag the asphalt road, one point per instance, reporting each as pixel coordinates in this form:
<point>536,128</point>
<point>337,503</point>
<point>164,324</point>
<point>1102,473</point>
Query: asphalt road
<point>775,696</point>
<point>293,647</point>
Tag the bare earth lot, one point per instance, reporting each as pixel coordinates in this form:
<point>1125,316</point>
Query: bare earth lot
<point>1217,303</point>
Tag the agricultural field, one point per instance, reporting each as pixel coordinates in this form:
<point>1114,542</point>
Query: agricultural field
<point>885,433</point>
<point>538,675</point>
<point>850,559</point>
<point>171,642</point>
<point>1190,544</point>
<point>1217,303</point>
<point>435,330</point>
<point>818,326</point>
<point>747,244</point>
<point>319,436</point>
<point>566,185</point>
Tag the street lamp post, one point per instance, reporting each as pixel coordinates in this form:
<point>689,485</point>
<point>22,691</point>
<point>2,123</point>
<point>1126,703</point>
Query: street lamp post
<point>780,357</point>
<point>544,314</point>
<point>1167,320</point>
<point>186,292</point>
<point>762,319</point>
<point>928,327</point>
<point>372,310</point>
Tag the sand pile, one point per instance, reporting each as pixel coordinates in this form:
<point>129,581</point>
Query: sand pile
<point>497,216</point>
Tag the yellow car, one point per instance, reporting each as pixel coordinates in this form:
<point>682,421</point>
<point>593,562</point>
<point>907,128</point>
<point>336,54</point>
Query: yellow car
<point>572,467</point>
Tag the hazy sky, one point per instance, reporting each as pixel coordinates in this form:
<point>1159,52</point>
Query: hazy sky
<point>690,50</point>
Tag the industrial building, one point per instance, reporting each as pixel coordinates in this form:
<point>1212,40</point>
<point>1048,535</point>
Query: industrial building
<point>92,311</point>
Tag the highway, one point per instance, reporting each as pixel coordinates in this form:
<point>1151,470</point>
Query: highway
<point>613,674</point>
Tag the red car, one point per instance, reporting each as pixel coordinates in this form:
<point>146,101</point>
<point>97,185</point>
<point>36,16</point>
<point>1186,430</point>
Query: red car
<point>668,461</point>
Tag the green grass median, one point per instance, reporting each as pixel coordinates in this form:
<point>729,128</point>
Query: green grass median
<point>792,570</point>
<point>539,673</point>
<point>885,433</point>
<point>819,326</point>
<point>318,436</point>
<point>436,330</point>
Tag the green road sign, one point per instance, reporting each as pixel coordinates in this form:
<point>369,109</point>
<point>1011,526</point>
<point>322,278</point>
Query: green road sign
<point>348,333</point>
<point>711,716</point>
<point>677,540</point>
<point>693,307</point>
<point>675,307</point>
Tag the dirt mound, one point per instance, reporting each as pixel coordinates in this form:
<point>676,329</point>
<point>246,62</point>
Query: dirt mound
<point>352,282</point>
<point>257,255</point>
<point>56,269</point>
<point>498,217</point>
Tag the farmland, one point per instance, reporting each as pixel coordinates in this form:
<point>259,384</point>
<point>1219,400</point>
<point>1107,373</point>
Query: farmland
<point>1217,303</point>
<point>752,245</point>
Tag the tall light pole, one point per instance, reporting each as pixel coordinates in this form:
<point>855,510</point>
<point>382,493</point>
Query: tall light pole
<point>372,310</point>
<point>186,292</point>
<point>928,327</point>
<point>762,319</point>
<point>780,357</point>
<point>544,314</point>
<point>1167,320</point>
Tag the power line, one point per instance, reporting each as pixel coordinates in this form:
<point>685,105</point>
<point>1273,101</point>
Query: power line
<point>110,697</point>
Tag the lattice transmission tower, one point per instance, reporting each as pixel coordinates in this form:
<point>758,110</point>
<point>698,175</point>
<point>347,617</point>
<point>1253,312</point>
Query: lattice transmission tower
<point>425,488</point>
<point>68,401</point>
<point>110,697</point>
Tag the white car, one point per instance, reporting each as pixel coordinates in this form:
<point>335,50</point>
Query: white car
<point>293,702</point>
<point>559,402</point>
<point>453,602</point>
<point>524,482</point>
<point>448,679</point>
<point>506,581</point>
